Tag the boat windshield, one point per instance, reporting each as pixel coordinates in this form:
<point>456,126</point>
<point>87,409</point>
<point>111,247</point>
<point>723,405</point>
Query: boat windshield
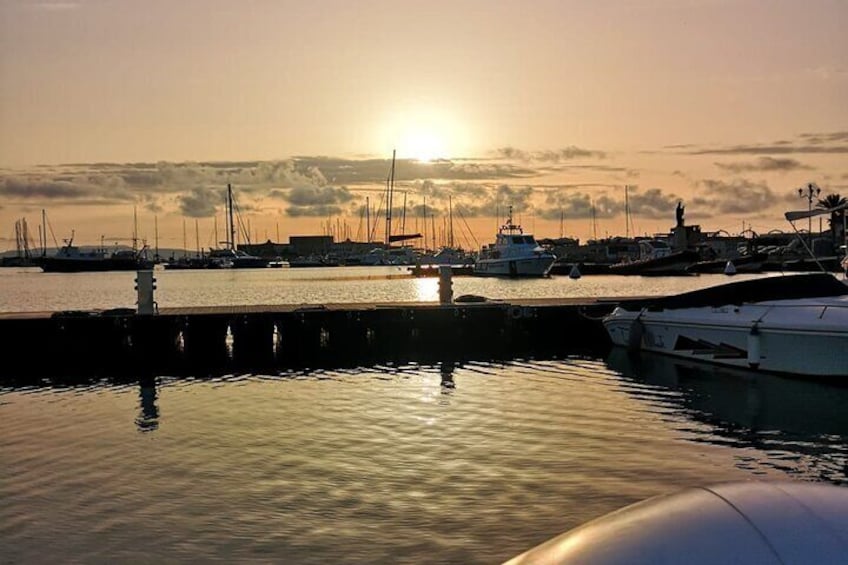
<point>523,239</point>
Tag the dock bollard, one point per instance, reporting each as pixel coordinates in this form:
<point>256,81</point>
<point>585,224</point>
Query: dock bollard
<point>145,284</point>
<point>445,284</point>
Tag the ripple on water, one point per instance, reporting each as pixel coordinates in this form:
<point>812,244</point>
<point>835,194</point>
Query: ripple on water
<point>445,463</point>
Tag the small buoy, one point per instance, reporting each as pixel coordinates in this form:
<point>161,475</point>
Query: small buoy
<point>730,269</point>
<point>575,272</point>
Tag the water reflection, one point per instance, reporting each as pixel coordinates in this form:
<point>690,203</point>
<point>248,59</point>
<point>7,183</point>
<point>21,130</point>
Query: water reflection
<point>148,418</point>
<point>796,425</point>
<point>446,368</point>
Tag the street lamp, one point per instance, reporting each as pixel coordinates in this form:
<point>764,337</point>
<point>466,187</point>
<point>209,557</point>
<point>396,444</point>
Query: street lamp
<point>810,191</point>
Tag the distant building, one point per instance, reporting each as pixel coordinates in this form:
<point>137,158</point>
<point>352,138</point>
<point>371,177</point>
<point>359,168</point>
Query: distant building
<point>311,244</point>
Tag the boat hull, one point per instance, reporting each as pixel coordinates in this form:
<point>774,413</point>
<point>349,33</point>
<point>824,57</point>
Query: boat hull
<point>669,265</point>
<point>539,266</point>
<point>803,337</point>
<point>62,265</point>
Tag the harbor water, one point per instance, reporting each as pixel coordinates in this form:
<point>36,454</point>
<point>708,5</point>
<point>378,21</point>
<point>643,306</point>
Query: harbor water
<point>468,462</point>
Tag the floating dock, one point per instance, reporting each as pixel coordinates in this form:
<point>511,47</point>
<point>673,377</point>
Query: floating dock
<point>291,336</point>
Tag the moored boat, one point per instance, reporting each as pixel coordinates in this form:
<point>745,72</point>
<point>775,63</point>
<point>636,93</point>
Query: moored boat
<point>513,254</point>
<point>794,324</point>
<point>71,259</point>
<point>656,258</point>
<point>742,264</point>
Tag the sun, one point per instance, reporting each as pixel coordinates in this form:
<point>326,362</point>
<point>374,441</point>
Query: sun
<point>422,145</point>
<point>422,134</point>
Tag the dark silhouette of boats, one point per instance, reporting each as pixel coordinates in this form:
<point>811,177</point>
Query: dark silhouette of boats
<point>72,259</point>
<point>656,258</point>
<point>753,263</point>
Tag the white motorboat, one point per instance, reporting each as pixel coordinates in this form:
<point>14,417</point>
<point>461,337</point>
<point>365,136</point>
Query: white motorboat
<point>513,254</point>
<point>794,324</point>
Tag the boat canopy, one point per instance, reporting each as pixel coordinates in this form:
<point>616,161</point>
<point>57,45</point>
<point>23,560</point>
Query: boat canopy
<point>786,287</point>
<point>801,214</point>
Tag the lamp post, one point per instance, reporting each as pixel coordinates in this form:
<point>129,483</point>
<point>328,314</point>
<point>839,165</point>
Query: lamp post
<point>809,191</point>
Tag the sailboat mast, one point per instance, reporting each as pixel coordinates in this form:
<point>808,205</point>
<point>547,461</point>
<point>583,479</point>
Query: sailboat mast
<point>594,223</point>
<point>156,235</point>
<point>197,236</point>
<point>230,225</point>
<point>626,212</point>
<point>367,219</point>
<point>403,216</point>
<point>44,229</point>
<point>433,229</point>
<point>185,242</point>
<point>135,230</point>
<point>450,221</point>
<point>390,185</point>
<point>425,222</point>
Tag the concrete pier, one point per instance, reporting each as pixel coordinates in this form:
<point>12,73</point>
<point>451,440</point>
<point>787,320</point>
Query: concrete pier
<point>287,336</point>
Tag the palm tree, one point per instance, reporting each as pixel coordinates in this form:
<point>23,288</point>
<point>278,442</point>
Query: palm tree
<point>836,217</point>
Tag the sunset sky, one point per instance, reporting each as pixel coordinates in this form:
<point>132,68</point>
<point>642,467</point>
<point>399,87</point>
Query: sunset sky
<point>549,106</point>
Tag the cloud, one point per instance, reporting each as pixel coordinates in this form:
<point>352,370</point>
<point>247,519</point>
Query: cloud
<point>653,203</point>
<point>825,138</point>
<point>200,202</point>
<point>764,164</point>
<point>739,196</point>
<point>41,188</point>
<point>316,200</point>
<point>318,196</point>
<point>548,156</point>
<point>824,143</point>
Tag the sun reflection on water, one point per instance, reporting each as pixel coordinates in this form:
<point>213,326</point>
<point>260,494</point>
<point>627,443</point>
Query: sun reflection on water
<point>426,289</point>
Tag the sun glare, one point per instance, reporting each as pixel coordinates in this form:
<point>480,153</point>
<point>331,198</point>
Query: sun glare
<point>422,146</point>
<point>423,135</point>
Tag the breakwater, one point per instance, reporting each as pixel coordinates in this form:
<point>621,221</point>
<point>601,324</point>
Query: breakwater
<point>290,336</point>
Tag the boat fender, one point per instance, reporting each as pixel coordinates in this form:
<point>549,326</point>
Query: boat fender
<point>575,272</point>
<point>730,269</point>
<point>754,347</point>
<point>634,337</point>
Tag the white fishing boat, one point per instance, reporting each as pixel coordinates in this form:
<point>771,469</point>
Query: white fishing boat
<point>514,254</point>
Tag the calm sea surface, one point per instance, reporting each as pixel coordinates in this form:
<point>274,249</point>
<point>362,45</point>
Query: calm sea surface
<point>444,463</point>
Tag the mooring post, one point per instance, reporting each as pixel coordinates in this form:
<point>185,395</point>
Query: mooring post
<point>145,284</point>
<point>445,284</point>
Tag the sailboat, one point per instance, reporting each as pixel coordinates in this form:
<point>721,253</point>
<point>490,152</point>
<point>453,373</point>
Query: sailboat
<point>231,255</point>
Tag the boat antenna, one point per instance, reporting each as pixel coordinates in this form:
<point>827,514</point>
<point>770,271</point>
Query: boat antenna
<point>561,219</point>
